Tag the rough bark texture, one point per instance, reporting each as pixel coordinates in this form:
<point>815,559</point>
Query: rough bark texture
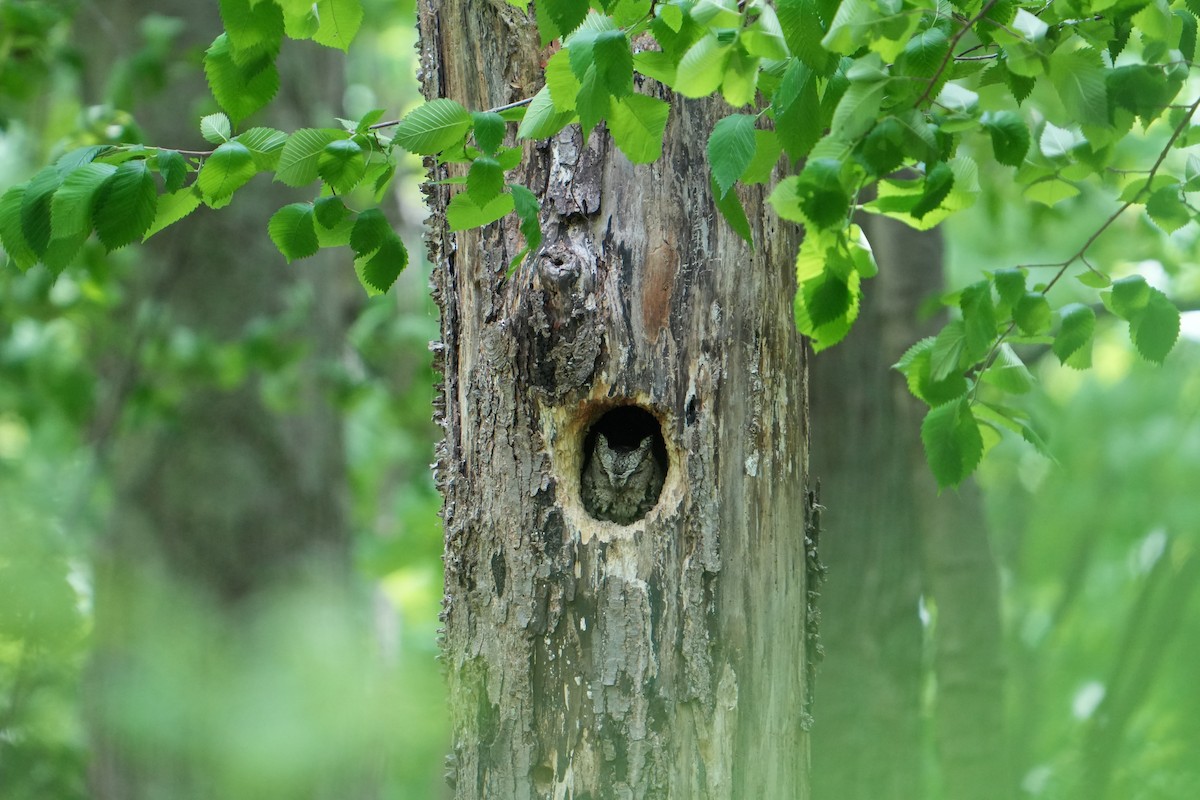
<point>222,496</point>
<point>892,539</point>
<point>663,659</point>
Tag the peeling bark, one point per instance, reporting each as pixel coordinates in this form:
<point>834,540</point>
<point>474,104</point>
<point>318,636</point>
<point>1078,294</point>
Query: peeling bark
<point>588,659</point>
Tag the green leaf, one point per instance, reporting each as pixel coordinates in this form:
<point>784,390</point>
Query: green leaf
<point>924,54</point>
<point>592,102</point>
<point>371,230</point>
<point>816,195</point>
<point>1093,279</point>
<point>542,120</point>
<point>489,130</point>
<point>561,81</point>
<point>299,161</point>
<point>216,128</point>
<point>265,144</point>
<point>979,319</point>
<point>126,205</point>
<point>1008,373</point>
<point>566,15</point>
<point>1079,78</point>
<point>240,89</point>
<point>15,246</point>
<point>1156,329</point>
<point>614,62</point>
<point>300,18</point>
<point>731,149</point>
<point>938,182</point>
<point>485,180</point>
<point>1032,314</point>
<point>803,27</point>
<point>292,230</point>
<point>342,165</point>
<point>254,28</point>
<point>946,357</point>
<point>35,208</point>
<point>1128,297</point>
<point>1010,285</point>
<point>464,213</point>
<point>173,168</point>
<point>827,298</point>
<point>858,109</point>
<point>851,27</point>
<point>329,212</point>
<point>228,169</point>
<point>739,84</point>
<point>730,206</point>
<point>1010,136</point>
<point>637,123</point>
<point>380,270</point>
<point>173,207</point>
<point>431,128</point>
<point>73,202</point>
<point>1073,344</point>
<point>702,67</point>
<point>953,445</point>
<point>917,367</point>
<point>527,208</point>
<point>1168,209</point>
<point>798,124</point>
<point>339,21</point>
<point>766,155</point>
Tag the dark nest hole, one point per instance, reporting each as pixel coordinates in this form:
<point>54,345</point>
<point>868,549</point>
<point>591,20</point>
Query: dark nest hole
<point>626,427</point>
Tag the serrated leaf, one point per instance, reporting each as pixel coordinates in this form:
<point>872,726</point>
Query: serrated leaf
<point>485,180</point>
<point>292,229</point>
<point>592,102</point>
<point>566,15</point>
<point>1010,136</point>
<point>339,21</point>
<point>851,27</point>
<point>803,28</point>
<point>561,81</point>
<point>380,270</point>
<point>1094,279</point>
<point>1079,78</point>
<point>1128,297</point>
<point>215,128</point>
<point>10,228</point>
<point>371,230</point>
<point>342,165</point>
<point>173,168</point>
<point>329,212</point>
<point>702,67</point>
<point>953,445</point>
<point>1008,372</point>
<point>489,130</point>
<point>72,204</point>
<point>766,155</point>
<point>265,144</point>
<point>924,54</point>
<point>917,367</point>
<point>126,205</point>
<point>730,206</point>
<point>614,62</point>
<point>299,159</point>
<point>432,127</point>
<point>542,120</point>
<point>240,89</point>
<point>254,28</point>
<point>731,149</point>
<point>858,109</point>
<point>1073,344</point>
<point>1156,329</point>
<point>173,207</point>
<point>228,169</point>
<point>35,208</point>
<point>464,213</point>
<point>939,180</point>
<point>1032,314</point>
<point>527,208</point>
<point>945,358</point>
<point>637,123</point>
<point>739,84</point>
<point>1010,285</point>
<point>979,319</point>
<point>1168,210</point>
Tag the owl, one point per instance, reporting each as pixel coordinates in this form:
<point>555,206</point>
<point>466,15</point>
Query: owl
<point>621,484</point>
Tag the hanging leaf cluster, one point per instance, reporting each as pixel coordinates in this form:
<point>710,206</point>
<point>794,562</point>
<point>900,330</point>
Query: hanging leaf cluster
<point>832,102</point>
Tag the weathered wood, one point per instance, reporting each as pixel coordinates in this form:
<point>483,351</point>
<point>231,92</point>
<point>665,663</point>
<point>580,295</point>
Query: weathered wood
<point>589,659</point>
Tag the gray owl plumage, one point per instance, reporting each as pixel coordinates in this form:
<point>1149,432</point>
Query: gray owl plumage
<point>621,484</point>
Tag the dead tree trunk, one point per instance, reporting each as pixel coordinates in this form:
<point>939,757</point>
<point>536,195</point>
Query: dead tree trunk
<point>663,658</point>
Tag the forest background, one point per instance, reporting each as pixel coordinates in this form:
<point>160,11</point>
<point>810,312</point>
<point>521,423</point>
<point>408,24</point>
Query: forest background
<point>1096,549</point>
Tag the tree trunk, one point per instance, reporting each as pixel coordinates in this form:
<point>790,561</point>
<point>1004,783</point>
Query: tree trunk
<point>892,541</point>
<point>662,658</point>
<point>221,497</point>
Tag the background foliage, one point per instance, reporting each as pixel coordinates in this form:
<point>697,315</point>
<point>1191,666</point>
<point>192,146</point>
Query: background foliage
<point>1095,533</point>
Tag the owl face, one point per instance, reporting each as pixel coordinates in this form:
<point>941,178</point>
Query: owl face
<point>619,463</point>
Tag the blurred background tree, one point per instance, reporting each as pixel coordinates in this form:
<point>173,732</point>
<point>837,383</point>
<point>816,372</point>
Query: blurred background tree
<point>221,501</point>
